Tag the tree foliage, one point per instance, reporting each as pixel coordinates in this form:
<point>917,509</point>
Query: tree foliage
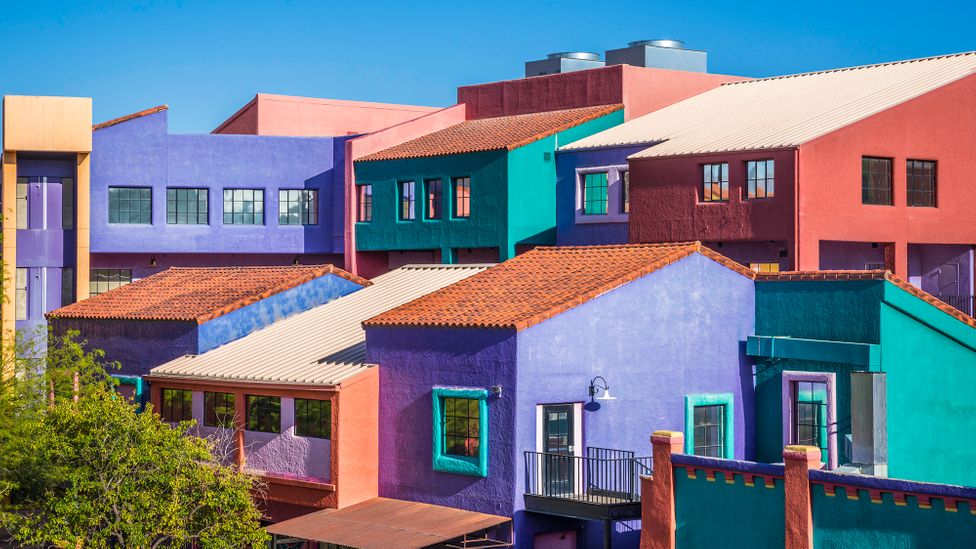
<point>82,466</point>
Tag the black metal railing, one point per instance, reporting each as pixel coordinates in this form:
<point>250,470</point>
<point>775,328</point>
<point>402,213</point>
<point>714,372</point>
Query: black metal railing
<point>602,476</point>
<point>965,303</point>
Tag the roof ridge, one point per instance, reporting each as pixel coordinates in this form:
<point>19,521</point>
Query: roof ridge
<point>128,117</point>
<point>629,245</point>
<point>851,68</point>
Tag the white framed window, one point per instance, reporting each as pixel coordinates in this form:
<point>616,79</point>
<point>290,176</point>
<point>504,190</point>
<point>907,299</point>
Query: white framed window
<point>602,194</point>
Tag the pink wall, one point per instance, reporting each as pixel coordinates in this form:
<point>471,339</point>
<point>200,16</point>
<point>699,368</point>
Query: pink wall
<point>941,126</point>
<point>287,115</point>
<point>368,144</point>
<point>640,89</point>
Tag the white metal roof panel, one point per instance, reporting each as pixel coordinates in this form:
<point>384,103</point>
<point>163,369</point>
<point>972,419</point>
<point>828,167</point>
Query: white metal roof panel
<point>783,111</point>
<point>321,346</point>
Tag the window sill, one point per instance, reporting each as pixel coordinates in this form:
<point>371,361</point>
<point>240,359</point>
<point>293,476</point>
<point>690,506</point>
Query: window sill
<point>583,219</point>
<point>459,465</point>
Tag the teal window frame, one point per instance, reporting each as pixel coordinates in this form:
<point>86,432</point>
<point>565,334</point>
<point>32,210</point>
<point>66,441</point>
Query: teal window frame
<point>460,465</point>
<point>711,399</point>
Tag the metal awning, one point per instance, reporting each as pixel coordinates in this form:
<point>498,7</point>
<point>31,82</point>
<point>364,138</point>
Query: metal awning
<point>381,523</point>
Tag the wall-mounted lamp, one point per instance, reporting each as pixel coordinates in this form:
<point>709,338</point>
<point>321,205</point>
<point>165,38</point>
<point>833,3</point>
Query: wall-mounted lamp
<point>594,387</point>
<point>295,261</point>
<point>496,390</point>
<point>152,261</point>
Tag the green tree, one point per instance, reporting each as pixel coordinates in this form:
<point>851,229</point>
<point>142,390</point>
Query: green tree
<point>82,466</point>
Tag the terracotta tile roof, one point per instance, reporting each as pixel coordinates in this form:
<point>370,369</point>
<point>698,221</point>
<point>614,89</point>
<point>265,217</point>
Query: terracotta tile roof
<point>127,117</point>
<point>540,284</point>
<point>873,275</point>
<point>490,134</point>
<point>196,294</point>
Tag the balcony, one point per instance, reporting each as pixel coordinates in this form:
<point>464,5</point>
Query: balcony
<point>965,303</point>
<point>604,484</point>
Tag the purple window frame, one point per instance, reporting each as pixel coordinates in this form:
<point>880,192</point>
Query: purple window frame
<point>828,378</point>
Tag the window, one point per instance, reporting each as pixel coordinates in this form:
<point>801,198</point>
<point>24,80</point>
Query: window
<point>218,410</point>
<point>810,414</point>
<point>759,176</point>
<point>176,405</point>
<point>434,198</point>
<point>876,181</point>
<point>23,211</point>
<point>67,203</point>
<point>365,193</point>
<point>461,431</point>
<point>875,267</point>
<point>263,414</point>
<point>103,280</point>
<point>715,182</point>
<point>406,198</point>
<point>20,294</point>
<point>710,430</point>
<point>771,267</point>
<point>709,425</point>
<point>625,192</point>
<point>130,205</point>
<point>67,286</point>
<point>243,206</point>
<point>186,206</point>
<point>595,193</point>
<point>462,197</point>
<point>298,207</point>
<point>313,418</point>
<point>921,183</point>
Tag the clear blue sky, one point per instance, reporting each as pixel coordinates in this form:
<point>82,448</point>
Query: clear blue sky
<point>206,59</point>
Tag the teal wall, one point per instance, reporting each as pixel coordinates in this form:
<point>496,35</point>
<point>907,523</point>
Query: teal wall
<point>839,522</point>
<point>513,197</point>
<point>485,228</point>
<point>930,358</point>
<point>718,514</point>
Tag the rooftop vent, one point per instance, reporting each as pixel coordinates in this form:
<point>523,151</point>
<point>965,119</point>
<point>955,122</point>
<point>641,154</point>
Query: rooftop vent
<point>566,61</point>
<point>661,53</point>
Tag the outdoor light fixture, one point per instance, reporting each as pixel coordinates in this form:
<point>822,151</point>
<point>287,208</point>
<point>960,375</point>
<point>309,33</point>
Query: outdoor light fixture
<point>594,387</point>
<point>152,261</point>
<point>496,390</point>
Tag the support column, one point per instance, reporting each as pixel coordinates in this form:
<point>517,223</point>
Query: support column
<point>799,514</point>
<point>9,281</point>
<point>240,413</point>
<point>658,519</point>
<point>83,226</point>
<point>806,256</point>
<point>448,256</point>
<point>896,258</point>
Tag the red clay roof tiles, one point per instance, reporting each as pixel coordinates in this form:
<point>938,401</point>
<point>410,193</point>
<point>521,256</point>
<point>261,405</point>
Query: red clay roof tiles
<point>196,293</point>
<point>128,117</point>
<point>539,284</point>
<point>490,134</point>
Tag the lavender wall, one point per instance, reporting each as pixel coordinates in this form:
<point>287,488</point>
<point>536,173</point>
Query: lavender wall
<point>414,361</point>
<point>849,255</point>
<point>141,152</point>
<point>925,261</point>
<point>568,232</point>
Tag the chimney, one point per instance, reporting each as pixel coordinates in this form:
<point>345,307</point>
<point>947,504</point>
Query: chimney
<point>567,61</point>
<point>660,54</point>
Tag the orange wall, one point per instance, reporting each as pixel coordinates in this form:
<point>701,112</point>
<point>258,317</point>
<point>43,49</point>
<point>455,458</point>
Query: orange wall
<point>356,444</point>
<point>647,90</point>
<point>270,114</point>
<point>941,126</point>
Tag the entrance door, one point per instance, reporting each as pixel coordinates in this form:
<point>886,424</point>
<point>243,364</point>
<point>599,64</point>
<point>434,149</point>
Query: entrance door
<point>558,432</point>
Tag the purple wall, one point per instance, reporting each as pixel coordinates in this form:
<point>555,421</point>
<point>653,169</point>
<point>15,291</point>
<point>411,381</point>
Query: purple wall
<point>678,331</point>
<point>141,153</point>
<point>941,269</point>
<point>568,232</point>
<point>849,255</point>
<point>413,362</point>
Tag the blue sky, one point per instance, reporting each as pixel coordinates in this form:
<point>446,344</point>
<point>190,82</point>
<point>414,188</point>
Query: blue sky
<point>206,59</point>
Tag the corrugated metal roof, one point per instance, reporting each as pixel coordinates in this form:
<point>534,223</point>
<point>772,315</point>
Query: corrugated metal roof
<point>321,346</point>
<point>780,112</point>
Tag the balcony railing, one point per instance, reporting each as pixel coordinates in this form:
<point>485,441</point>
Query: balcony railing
<point>965,303</point>
<point>603,476</point>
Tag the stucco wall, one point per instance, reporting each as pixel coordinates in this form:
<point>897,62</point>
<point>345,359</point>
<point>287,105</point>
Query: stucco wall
<point>285,453</point>
<point>141,152</point>
<point>137,346</point>
<point>414,361</point>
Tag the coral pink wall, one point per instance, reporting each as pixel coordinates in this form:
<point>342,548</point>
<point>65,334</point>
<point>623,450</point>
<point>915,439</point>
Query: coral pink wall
<point>941,126</point>
<point>368,144</point>
<point>666,207</point>
<point>356,442</point>
<point>270,114</point>
<point>640,89</point>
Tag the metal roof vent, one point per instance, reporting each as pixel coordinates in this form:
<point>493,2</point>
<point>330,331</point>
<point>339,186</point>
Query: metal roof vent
<point>564,61</point>
<point>662,53</point>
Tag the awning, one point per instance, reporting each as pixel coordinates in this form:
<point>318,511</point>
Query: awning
<point>381,523</point>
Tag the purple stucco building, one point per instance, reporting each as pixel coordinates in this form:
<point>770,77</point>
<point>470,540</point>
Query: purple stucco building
<point>665,327</point>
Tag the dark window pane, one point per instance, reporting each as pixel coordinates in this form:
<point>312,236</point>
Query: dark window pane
<point>298,207</point>
<point>461,426</point>
<point>595,193</point>
<point>129,205</point>
<point>921,176</point>
<point>876,181</point>
<point>263,414</point>
<point>176,405</point>
<point>709,430</point>
<point>462,197</point>
<point>313,418</point>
